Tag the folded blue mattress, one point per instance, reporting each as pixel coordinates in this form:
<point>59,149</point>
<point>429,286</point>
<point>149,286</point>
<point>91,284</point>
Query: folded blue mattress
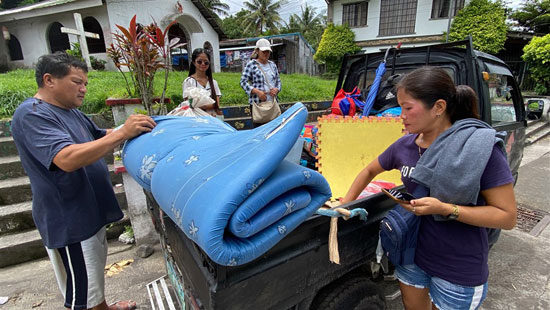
<point>229,191</point>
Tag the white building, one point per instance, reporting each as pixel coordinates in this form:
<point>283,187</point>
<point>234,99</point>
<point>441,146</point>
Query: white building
<point>34,30</point>
<point>378,24</point>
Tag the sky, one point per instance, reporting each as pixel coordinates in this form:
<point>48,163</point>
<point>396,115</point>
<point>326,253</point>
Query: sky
<point>294,7</point>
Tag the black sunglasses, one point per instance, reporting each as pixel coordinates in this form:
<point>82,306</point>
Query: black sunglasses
<point>200,62</point>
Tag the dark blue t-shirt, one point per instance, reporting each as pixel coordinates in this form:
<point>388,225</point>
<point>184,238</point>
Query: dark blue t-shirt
<point>451,250</point>
<point>68,207</point>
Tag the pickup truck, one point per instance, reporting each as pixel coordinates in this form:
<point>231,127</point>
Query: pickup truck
<point>296,273</point>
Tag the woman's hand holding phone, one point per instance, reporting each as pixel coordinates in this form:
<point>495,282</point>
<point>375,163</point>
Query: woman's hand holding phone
<point>399,197</point>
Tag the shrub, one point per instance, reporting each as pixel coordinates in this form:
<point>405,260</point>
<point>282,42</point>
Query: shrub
<point>485,21</point>
<point>75,51</point>
<point>537,56</point>
<point>143,51</point>
<point>98,64</point>
<point>335,43</point>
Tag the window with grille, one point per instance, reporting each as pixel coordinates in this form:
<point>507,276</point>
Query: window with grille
<point>397,17</point>
<point>355,14</point>
<point>440,8</point>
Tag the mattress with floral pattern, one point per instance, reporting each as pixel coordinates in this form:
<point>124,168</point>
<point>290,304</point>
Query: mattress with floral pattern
<point>229,191</point>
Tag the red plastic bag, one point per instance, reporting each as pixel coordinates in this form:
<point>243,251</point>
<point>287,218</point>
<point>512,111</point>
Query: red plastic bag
<point>346,103</point>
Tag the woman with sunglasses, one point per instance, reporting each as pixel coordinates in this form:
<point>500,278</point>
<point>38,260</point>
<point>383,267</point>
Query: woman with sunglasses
<point>260,78</point>
<point>200,75</point>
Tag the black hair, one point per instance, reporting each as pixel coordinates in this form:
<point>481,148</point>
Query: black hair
<point>429,84</point>
<point>192,71</point>
<point>58,65</point>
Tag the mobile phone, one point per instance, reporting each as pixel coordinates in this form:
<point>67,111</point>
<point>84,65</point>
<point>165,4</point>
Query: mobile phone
<point>397,196</point>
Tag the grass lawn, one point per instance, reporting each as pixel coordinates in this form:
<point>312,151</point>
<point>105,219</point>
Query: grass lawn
<point>20,84</point>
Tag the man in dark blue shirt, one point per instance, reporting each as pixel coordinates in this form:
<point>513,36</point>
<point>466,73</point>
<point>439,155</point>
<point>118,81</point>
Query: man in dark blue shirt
<point>62,152</point>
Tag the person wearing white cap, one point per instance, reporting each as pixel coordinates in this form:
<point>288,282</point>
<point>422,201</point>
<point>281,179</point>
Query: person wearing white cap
<point>260,78</point>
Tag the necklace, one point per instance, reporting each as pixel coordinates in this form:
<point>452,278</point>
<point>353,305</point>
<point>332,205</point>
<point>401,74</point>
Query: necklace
<point>419,152</point>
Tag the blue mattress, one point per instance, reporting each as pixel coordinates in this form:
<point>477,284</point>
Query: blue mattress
<point>230,191</point>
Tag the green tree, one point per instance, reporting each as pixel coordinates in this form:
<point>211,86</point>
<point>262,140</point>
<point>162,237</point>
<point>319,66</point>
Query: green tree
<point>292,25</point>
<point>537,56</point>
<point>534,15</point>
<point>10,4</point>
<point>485,21</point>
<point>310,23</point>
<point>216,7</point>
<point>337,40</point>
<point>263,15</point>
<point>233,25</point>
<point>308,20</point>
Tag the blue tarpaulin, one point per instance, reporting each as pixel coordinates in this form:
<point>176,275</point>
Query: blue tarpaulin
<point>176,59</point>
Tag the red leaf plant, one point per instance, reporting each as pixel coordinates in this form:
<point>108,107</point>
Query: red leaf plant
<point>142,51</point>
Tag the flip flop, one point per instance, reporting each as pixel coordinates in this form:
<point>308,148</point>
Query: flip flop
<point>124,305</point>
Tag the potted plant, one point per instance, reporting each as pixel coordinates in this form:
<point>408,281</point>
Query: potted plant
<point>142,51</point>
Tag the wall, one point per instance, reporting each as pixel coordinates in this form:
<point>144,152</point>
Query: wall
<point>32,33</point>
<point>299,56</point>
<point>427,30</point>
<point>163,13</point>
<point>4,54</point>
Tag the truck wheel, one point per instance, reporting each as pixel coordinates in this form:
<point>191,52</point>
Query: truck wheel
<point>357,293</point>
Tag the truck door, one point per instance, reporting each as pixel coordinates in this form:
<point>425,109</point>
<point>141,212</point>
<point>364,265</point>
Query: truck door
<point>506,110</point>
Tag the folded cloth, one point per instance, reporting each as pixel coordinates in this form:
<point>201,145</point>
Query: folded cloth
<point>457,158</point>
<point>229,191</point>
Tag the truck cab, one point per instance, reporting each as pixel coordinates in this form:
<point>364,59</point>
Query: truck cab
<point>296,272</point>
<point>500,99</point>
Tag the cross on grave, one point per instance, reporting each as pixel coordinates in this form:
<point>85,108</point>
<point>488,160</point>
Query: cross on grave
<point>81,34</point>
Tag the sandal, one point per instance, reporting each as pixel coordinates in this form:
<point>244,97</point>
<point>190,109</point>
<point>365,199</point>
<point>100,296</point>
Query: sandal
<point>123,305</point>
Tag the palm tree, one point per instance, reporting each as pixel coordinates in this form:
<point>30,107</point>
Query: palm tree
<point>293,25</point>
<point>263,15</point>
<point>308,21</point>
<point>216,7</point>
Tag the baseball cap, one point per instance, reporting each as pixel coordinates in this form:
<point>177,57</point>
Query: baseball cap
<point>263,45</point>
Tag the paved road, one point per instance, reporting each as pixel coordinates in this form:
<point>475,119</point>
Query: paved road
<point>519,262</point>
<point>33,283</point>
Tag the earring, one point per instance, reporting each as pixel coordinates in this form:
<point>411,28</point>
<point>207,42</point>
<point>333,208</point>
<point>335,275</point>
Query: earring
<point>438,115</point>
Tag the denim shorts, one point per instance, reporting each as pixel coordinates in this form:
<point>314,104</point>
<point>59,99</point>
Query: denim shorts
<point>444,294</point>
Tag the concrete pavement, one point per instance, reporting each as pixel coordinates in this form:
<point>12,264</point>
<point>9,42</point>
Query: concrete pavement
<point>519,263</point>
<point>32,285</point>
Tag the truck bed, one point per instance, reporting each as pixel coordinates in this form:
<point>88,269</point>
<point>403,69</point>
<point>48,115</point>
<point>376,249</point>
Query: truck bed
<point>299,263</point>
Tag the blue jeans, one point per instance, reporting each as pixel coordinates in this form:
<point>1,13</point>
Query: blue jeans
<point>444,294</point>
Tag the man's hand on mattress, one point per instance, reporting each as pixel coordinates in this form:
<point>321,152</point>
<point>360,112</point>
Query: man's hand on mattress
<point>137,124</point>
